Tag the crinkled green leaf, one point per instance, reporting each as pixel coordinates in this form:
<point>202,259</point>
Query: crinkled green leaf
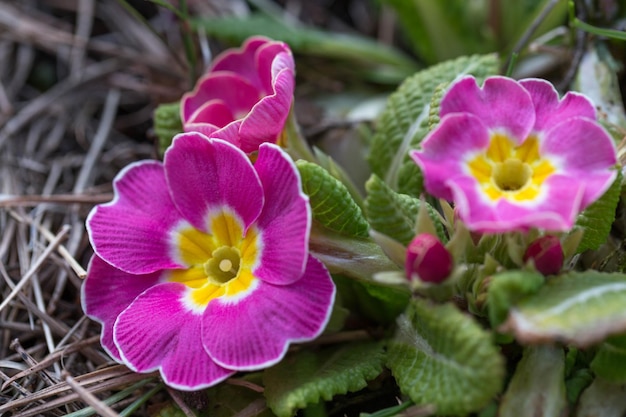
<point>580,308</point>
<point>596,220</point>
<point>404,122</point>
<point>331,202</point>
<point>506,289</point>
<point>602,399</point>
<point>394,214</point>
<point>382,304</point>
<point>610,360</point>
<point>167,124</point>
<point>538,386</point>
<point>310,376</point>
<point>442,357</point>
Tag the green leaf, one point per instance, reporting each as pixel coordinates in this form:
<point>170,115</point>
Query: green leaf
<point>506,289</point>
<point>377,62</point>
<point>310,376</point>
<point>442,357</point>
<point>331,202</point>
<point>602,399</point>
<point>167,124</point>
<point>538,385</point>
<point>394,214</point>
<point>596,220</point>
<point>580,308</point>
<point>404,122</point>
<point>225,400</point>
<point>610,360</point>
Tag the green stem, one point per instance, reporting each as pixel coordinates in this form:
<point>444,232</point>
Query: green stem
<point>579,24</point>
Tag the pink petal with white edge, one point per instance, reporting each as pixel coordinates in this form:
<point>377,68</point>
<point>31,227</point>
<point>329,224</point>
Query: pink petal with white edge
<point>550,109</point>
<point>272,59</point>
<point>256,331</point>
<point>132,231</point>
<point>242,60</point>
<point>214,112</point>
<point>556,210</point>
<point>106,292</point>
<point>286,218</point>
<point>443,150</point>
<point>266,120</point>
<point>205,175</point>
<point>157,332</point>
<point>233,90</point>
<point>587,153</point>
<point>501,104</point>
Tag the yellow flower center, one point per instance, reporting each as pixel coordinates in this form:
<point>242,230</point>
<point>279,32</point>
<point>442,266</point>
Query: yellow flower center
<point>220,263</point>
<point>508,171</point>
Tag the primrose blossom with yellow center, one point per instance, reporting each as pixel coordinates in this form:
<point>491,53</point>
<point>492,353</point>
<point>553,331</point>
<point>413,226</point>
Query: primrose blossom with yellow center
<point>201,266</point>
<point>512,155</point>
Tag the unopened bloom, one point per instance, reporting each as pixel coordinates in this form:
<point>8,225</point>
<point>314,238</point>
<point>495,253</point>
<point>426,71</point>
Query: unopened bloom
<point>428,260</point>
<point>246,95</point>
<point>547,255</point>
<point>201,264</point>
<point>512,155</point>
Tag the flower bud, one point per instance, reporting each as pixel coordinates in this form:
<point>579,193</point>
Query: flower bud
<point>428,260</point>
<point>547,254</point>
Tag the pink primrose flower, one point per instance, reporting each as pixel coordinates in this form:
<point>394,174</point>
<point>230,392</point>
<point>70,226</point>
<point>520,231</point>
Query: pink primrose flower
<point>245,96</point>
<point>201,264</point>
<point>512,155</point>
<point>547,254</point>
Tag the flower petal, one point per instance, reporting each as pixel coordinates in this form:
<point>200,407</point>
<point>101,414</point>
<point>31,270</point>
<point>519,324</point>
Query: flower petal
<point>286,218</point>
<point>157,332</point>
<point>132,231</point>
<point>214,112</point>
<point>443,150</point>
<point>233,90</point>
<point>266,120</point>
<point>106,292</point>
<point>502,104</point>
<point>255,332</point>
<point>242,61</point>
<point>550,110</point>
<point>272,58</point>
<point>205,175</point>
<point>587,153</point>
<point>554,210</point>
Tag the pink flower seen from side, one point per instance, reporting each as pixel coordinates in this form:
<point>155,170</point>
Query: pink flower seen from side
<point>246,95</point>
<point>512,155</point>
<point>201,265</point>
<point>428,260</point>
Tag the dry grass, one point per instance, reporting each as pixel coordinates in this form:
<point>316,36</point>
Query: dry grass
<point>79,80</point>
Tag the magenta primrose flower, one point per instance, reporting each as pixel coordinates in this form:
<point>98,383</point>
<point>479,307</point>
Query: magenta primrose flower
<point>512,155</point>
<point>201,264</point>
<point>245,96</point>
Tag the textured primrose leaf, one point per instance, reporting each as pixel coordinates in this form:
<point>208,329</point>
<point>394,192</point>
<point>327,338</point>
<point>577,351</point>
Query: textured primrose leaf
<point>331,202</point>
<point>308,377</point>
<point>506,289</point>
<point>538,386</point>
<point>580,308</point>
<point>442,357</point>
<point>394,214</point>
<point>610,360</point>
<point>596,220</point>
<point>405,120</point>
<point>602,399</point>
<point>167,124</point>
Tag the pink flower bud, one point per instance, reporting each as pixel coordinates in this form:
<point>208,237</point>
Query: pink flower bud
<point>428,260</point>
<point>547,254</point>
